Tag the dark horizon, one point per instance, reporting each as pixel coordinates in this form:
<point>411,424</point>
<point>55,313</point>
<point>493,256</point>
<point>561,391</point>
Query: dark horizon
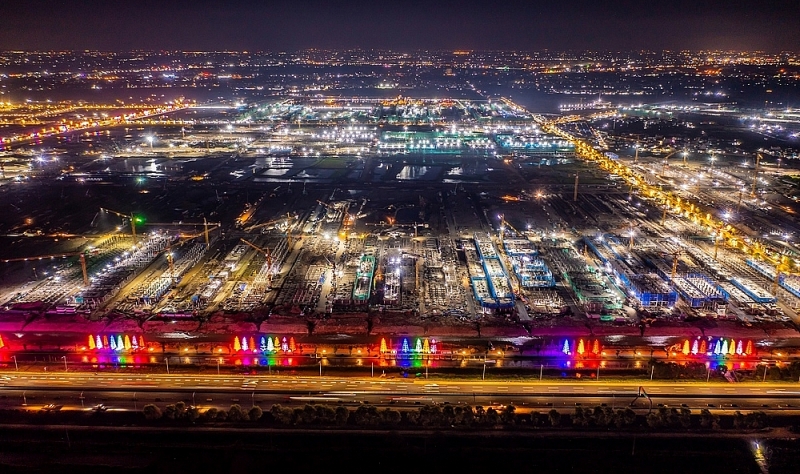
<point>247,25</point>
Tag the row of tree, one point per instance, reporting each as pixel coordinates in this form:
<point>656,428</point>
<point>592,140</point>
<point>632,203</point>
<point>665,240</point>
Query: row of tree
<point>449,415</point>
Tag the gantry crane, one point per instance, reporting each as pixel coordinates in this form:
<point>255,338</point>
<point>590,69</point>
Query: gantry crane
<point>81,256</point>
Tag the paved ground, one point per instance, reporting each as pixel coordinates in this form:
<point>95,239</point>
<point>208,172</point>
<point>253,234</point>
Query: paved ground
<point>125,391</point>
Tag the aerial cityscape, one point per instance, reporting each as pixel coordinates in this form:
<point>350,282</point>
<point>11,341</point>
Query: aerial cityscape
<point>360,243</point>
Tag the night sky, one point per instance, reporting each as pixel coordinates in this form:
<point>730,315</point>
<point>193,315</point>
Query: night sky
<point>282,25</point>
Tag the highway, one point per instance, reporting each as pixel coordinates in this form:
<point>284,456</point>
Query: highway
<point>132,391</point>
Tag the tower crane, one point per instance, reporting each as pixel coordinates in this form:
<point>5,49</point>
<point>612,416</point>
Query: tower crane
<point>130,216</point>
<point>266,253</point>
<point>664,165</point>
<point>783,266</point>
<point>81,256</point>
<point>288,218</point>
<point>205,225</point>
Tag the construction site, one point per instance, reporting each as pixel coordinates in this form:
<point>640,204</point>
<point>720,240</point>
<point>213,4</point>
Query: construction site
<point>444,217</point>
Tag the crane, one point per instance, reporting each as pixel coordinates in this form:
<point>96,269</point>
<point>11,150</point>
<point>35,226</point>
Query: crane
<point>288,218</point>
<point>134,220</point>
<point>784,266</point>
<point>664,166</point>
<point>266,253</point>
<point>81,255</point>
<point>205,225</point>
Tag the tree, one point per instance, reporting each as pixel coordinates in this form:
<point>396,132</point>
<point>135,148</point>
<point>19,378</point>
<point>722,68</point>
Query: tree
<point>192,414</point>
<point>235,413</point>
<point>739,420</point>
<point>757,420</point>
<point>342,415</point>
<point>307,415</point>
<point>653,420</point>
<point>367,416</point>
<point>326,415</point>
<point>449,415</point>
<point>222,415</point>
<point>708,420</point>
<point>180,410</point>
<point>151,412</point>
<point>629,417</point>
<point>391,417</point>
<point>509,415</point>
<point>555,417</point>
<point>169,412</point>
<point>685,418</point>
<point>467,416</point>
<point>282,415</point>
<point>492,417</point>
<point>255,413</point>
<point>578,418</point>
<point>210,414</point>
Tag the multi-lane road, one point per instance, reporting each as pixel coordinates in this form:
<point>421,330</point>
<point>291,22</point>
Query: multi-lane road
<point>132,391</point>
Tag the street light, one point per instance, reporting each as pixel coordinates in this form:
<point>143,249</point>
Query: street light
<point>65,363</point>
<point>16,366</point>
<point>150,139</point>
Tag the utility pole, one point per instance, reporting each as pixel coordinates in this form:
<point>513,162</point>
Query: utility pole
<point>575,195</point>
<point>205,230</point>
<point>755,175</point>
<point>630,244</point>
<point>82,258</point>
<point>674,266</point>
<point>739,204</point>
